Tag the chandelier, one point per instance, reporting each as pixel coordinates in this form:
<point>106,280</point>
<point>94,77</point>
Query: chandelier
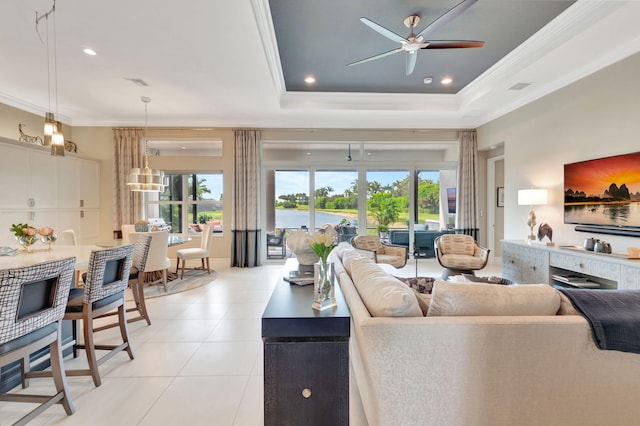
<point>52,129</point>
<point>146,179</point>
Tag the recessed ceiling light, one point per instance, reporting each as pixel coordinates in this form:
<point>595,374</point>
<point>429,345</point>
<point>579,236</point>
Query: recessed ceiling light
<point>309,79</point>
<point>89,51</point>
<point>446,80</point>
<point>183,147</point>
<point>428,80</point>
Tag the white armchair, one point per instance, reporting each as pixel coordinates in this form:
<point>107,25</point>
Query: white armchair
<point>157,260</point>
<point>203,252</point>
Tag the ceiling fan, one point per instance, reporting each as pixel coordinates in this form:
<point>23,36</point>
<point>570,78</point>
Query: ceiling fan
<point>413,42</point>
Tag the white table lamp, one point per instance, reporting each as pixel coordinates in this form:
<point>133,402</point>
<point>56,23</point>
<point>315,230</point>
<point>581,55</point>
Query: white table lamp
<point>532,197</point>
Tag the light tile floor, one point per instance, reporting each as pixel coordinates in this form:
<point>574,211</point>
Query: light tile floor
<point>199,363</point>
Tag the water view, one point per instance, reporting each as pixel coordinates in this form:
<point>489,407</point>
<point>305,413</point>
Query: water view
<point>290,218</point>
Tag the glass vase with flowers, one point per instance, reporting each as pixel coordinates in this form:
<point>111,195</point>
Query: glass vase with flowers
<point>47,235</point>
<point>25,234</point>
<point>324,273</point>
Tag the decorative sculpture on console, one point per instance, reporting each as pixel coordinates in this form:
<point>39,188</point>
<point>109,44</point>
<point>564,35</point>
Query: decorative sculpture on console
<point>544,230</point>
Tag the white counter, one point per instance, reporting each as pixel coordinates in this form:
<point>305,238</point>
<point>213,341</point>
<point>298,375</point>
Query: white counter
<point>42,254</point>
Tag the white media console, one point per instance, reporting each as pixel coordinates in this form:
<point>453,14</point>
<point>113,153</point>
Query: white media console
<point>528,263</point>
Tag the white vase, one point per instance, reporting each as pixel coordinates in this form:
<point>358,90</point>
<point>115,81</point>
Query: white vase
<point>324,296</point>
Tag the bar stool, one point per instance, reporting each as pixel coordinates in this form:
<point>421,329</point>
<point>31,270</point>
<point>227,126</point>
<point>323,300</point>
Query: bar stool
<point>136,282</point>
<point>103,291</point>
<point>32,301</point>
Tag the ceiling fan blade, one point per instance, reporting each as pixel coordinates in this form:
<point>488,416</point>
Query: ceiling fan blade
<point>411,61</point>
<point>453,44</point>
<point>382,30</point>
<point>380,55</point>
<point>446,17</point>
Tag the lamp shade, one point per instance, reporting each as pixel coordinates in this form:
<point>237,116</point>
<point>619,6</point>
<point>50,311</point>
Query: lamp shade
<point>532,197</point>
<point>147,180</point>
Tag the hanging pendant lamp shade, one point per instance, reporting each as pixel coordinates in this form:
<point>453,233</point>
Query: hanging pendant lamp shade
<point>57,140</point>
<point>146,179</point>
<point>52,129</point>
<point>49,126</point>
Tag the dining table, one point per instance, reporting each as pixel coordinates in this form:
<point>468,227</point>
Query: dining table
<point>174,240</point>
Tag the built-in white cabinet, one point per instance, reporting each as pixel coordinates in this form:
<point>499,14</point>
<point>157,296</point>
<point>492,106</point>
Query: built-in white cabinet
<point>524,264</point>
<point>14,165</point>
<point>531,263</point>
<point>43,190</point>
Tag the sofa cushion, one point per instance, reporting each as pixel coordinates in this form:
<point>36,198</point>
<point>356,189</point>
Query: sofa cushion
<point>382,294</point>
<point>477,299</point>
<point>347,259</point>
<point>424,299</point>
<point>341,248</point>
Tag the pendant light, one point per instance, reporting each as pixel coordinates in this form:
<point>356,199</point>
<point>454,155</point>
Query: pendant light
<point>146,179</point>
<point>52,129</point>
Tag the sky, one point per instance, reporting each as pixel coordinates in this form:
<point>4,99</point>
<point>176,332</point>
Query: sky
<point>294,182</point>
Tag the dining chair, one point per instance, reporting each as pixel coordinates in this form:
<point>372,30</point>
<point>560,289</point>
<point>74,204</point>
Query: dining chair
<point>136,283</point>
<point>104,290</point>
<point>126,231</point>
<point>141,251</point>
<point>68,238</point>
<point>203,252</point>
<point>157,264</point>
<point>32,305</point>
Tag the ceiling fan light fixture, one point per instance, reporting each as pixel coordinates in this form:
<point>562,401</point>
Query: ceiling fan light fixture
<point>414,42</point>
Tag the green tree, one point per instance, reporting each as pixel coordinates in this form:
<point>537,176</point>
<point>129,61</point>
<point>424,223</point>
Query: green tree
<point>324,191</point>
<point>385,207</point>
<point>429,196</point>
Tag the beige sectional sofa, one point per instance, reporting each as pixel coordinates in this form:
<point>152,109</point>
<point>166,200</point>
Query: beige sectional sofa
<point>480,369</point>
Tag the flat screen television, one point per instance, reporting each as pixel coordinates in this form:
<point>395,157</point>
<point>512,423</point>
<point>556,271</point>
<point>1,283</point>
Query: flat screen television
<point>603,193</point>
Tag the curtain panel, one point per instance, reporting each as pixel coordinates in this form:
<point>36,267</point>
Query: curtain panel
<point>245,219</point>
<point>467,204</point>
<point>128,153</point>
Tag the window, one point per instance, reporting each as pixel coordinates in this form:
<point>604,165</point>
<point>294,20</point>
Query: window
<point>376,185</point>
<point>189,202</point>
<point>387,199</point>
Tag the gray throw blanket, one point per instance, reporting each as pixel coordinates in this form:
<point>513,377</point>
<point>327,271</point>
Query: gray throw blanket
<point>614,316</point>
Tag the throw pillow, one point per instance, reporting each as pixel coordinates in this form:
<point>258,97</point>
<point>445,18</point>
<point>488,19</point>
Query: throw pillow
<point>478,299</point>
<point>382,294</point>
<point>420,284</point>
<point>487,280</point>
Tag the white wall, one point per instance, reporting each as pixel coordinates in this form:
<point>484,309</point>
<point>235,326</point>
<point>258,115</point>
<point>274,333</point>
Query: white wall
<point>596,117</point>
